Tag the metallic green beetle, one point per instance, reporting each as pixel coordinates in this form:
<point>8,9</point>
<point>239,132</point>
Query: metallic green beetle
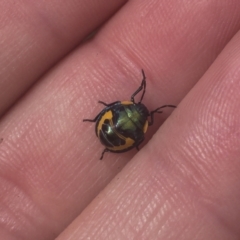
<point>121,125</point>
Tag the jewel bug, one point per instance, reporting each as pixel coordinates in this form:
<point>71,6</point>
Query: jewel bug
<point>121,125</point>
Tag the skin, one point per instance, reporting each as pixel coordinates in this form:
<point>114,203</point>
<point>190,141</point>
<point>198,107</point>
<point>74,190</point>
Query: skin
<point>183,184</point>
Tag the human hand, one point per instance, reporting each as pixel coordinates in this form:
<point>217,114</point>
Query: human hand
<point>183,184</point>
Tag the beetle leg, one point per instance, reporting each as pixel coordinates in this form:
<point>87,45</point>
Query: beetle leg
<point>137,147</point>
<point>107,105</point>
<point>105,150</point>
<point>142,87</point>
<point>157,111</point>
<point>96,118</point>
<point>91,120</point>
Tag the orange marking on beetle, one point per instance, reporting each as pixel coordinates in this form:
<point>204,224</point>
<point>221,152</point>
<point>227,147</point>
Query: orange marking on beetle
<point>126,102</point>
<point>128,143</point>
<point>145,127</point>
<point>107,115</point>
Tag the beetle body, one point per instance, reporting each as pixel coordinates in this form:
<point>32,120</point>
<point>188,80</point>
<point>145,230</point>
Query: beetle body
<point>121,125</point>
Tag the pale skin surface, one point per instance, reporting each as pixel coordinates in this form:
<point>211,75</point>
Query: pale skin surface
<point>183,184</point>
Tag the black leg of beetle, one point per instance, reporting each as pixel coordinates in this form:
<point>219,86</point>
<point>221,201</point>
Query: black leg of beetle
<point>157,111</point>
<point>107,105</point>
<point>105,150</point>
<point>137,147</point>
<point>91,120</point>
<point>95,119</point>
<point>142,87</point>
